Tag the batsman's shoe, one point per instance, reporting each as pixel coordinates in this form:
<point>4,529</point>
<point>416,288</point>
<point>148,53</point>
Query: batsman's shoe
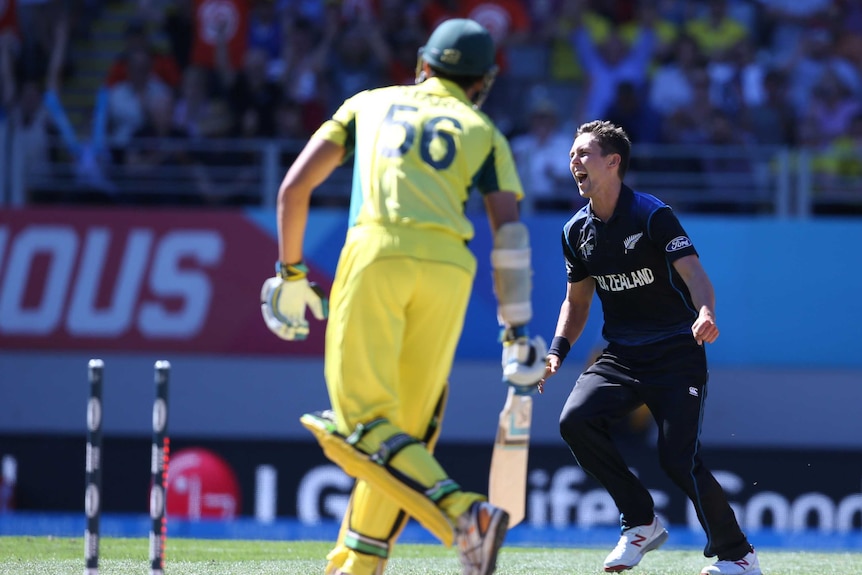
<point>633,544</point>
<point>748,565</point>
<point>479,536</point>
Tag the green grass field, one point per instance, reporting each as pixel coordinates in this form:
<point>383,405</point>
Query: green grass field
<point>64,556</point>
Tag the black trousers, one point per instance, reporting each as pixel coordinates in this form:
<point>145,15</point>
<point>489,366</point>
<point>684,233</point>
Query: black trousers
<point>670,378</point>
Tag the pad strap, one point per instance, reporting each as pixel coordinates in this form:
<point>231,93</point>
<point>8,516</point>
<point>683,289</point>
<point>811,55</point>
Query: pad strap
<point>365,544</point>
<point>389,448</point>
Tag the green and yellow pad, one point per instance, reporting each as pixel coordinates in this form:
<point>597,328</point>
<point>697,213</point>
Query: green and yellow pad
<point>356,551</point>
<point>391,462</point>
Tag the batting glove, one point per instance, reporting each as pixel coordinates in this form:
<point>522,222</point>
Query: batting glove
<point>284,299</point>
<point>523,359</point>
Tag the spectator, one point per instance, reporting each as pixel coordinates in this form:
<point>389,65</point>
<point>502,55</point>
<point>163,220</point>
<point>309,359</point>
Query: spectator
<point>839,173</point>
<point>299,70</point>
<point>9,33</point>
<point>508,21</point>
<point>814,57</point>
<point>129,99</point>
<point>24,100</point>
<point>772,122</point>
<point>570,16</point>
<point>849,16</point>
<point>252,89</point>
<point>670,87</point>
<point>433,12</point>
<point>220,33</point>
<point>728,177</point>
<point>29,120</point>
<point>8,47</point>
<point>632,111</point>
<point>264,28</point>
<point>846,151</point>
<point>402,62</point>
<point>833,107</point>
<point>540,157</point>
<point>608,64</point>
<point>178,28</point>
<point>736,78</point>
<point>648,17</point>
<point>192,100</point>
<point>159,147</point>
<point>399,19</point>
<point>358,60</point>
<point>716,31</point>
<point>36,19</point>
<point>137,40</point>
<point>688,124</point>
<point>223,173</point>
<point>292,131</point>
<point>312,11</point>
<point>37,118</point>
<point>289,124</point>
<point>784,24</point>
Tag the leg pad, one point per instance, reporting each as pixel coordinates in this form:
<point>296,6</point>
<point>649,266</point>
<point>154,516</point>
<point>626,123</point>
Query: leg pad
<point>365,456</point>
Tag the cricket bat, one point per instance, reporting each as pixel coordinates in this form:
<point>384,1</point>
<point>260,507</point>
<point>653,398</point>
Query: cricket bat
<point>507,480</point>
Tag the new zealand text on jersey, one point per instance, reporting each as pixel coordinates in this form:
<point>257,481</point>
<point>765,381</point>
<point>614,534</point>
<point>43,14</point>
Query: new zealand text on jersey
<point>620,282</point>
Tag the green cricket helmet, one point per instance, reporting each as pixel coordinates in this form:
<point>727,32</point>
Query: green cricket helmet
<point>461,47</point>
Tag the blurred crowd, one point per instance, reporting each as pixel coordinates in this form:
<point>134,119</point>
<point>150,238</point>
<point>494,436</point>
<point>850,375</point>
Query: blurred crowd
<point>679,72</point>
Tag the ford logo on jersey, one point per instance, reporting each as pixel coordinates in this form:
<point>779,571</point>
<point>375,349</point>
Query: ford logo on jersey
<point>678,243</point>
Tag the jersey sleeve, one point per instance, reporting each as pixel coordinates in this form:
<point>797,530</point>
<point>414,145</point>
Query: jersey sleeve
<point>667,233</point>
<point>498,172</point>
<point>341,127</point>
<point>575,268</point>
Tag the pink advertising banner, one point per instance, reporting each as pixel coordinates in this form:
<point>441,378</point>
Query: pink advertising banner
<point>139,281</point>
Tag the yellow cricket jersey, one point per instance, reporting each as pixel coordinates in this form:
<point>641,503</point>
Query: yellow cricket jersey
<point>418,151</point>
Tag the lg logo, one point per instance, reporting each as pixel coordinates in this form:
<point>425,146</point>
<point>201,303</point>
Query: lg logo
<point>323,494</point>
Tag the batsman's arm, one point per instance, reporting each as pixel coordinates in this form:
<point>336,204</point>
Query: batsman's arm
<point>574,312</point>
<point>510,260</point>
<point>285,297</point>
<point>318,159</point>
<point>523,356</point>
<point>502,208</point>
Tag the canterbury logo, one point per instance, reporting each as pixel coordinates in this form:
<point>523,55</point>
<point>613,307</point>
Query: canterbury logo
<point>629,242</point>
<point>638,540</point>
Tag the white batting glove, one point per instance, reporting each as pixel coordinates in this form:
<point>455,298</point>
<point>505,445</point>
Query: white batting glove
<point>283,301</point>
<point>523,360</point>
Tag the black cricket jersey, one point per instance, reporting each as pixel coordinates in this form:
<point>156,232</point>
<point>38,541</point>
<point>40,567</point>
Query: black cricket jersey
<point>630,256</point>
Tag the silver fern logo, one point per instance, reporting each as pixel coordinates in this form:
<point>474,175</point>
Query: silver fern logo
<point>629,242</point>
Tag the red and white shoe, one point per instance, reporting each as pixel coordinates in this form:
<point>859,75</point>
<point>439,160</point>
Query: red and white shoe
<point>748,565</point>
<point>633,544</point>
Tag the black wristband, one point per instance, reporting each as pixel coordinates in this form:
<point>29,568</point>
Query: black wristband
<point>560,347</point>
